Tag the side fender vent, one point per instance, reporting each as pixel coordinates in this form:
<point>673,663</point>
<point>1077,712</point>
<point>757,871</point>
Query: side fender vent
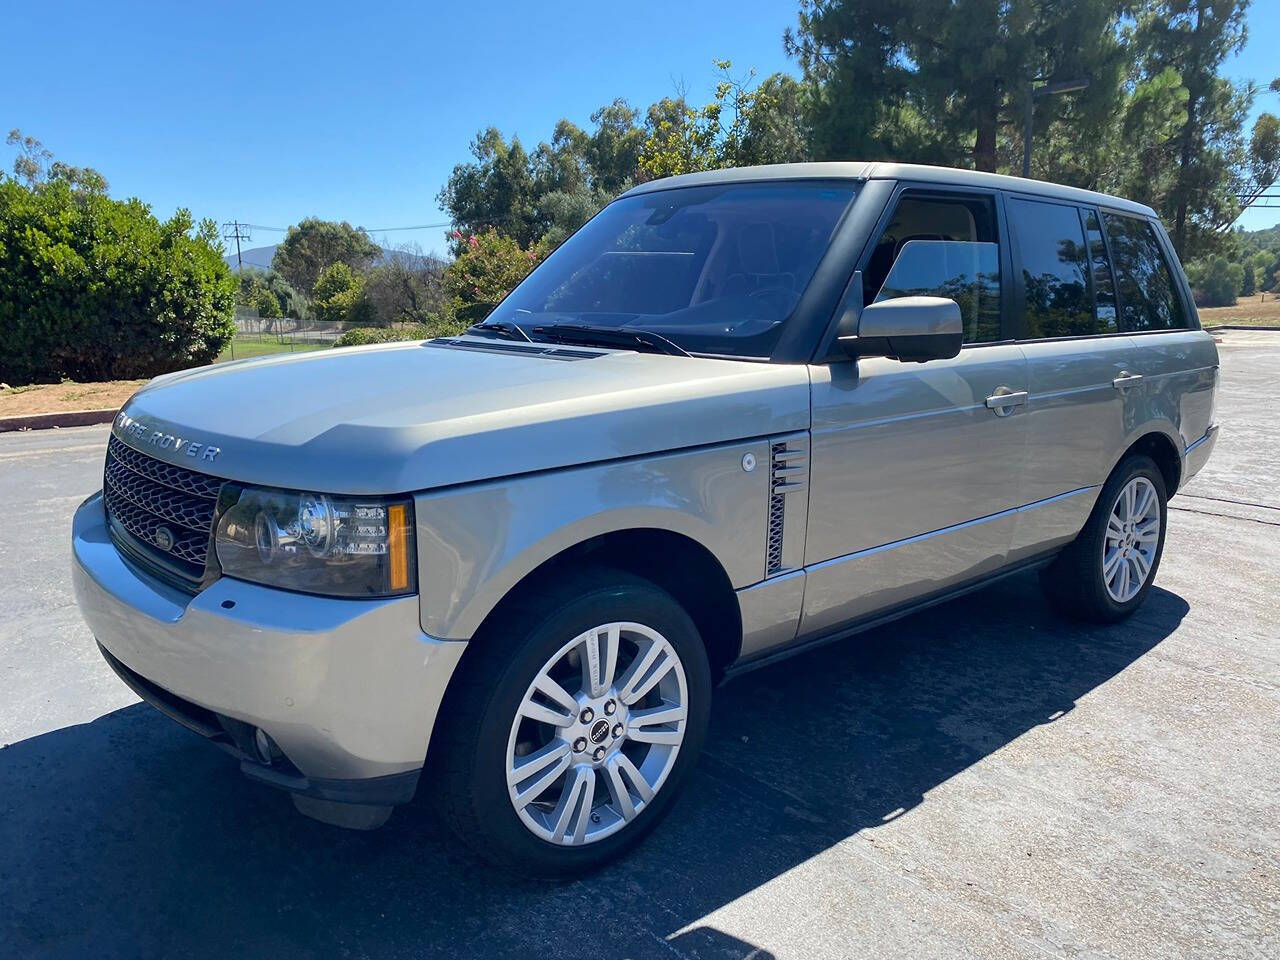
<point>788,474</point>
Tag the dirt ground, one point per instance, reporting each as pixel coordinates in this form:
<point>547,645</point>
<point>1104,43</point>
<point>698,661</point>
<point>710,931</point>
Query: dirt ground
<point>58,397</point>
<point>1262,309</point>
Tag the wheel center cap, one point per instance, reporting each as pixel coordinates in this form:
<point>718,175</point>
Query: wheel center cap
<point>600,731</point>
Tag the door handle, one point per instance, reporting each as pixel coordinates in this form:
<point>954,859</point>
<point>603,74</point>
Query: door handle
<point>1126,380</point>
<point>1003,400</point>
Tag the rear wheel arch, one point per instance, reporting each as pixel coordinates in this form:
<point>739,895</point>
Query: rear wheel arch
<point>1161,448</point>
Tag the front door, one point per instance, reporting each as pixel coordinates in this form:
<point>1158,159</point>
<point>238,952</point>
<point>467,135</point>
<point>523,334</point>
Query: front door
<point>915,468</point>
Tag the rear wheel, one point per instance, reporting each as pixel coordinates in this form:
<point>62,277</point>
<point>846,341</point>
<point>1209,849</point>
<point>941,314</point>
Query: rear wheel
<point>1106,573</point>
<point>580,712</point>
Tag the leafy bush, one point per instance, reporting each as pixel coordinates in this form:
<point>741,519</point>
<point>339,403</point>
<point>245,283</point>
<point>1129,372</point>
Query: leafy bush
<point>487,269</point>
<point>439,327</point>
<point>93,288</point>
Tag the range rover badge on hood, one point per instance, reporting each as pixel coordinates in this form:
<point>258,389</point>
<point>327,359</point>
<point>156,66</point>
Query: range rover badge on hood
<point>127,426</point>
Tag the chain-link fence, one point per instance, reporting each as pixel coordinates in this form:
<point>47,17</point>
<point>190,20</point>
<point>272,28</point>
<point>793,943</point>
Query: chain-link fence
<point>257,336</point>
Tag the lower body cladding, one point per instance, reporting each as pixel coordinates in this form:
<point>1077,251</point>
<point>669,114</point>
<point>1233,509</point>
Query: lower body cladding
<point>331,699</point>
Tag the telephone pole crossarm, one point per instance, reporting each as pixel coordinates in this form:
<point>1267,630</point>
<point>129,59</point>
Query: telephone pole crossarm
<point>237,231</point>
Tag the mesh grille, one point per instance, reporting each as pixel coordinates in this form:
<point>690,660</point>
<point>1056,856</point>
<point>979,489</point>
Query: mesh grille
<point>143,494</point>
<point>179,478</point>
<point>777,513</point>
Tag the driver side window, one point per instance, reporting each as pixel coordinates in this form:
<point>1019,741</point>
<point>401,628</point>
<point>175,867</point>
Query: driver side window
<point>942,247</point>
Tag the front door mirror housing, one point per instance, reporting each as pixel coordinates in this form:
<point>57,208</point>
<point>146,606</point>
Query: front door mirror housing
<point>910,329</point>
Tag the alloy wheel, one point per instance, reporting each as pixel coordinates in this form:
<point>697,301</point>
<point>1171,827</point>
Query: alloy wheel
<point>597,733</point>
<point>1131,538</point>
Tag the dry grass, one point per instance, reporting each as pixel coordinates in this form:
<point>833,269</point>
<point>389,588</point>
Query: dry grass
<point>68,395</point>
<point>1260,310</point>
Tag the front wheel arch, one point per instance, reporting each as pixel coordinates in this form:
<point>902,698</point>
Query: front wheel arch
<point>672,561</point>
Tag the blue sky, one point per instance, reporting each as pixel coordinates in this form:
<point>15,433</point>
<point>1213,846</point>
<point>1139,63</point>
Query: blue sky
<point>271,112</point>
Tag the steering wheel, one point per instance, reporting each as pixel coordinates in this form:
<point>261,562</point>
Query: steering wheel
<point>783,298</point>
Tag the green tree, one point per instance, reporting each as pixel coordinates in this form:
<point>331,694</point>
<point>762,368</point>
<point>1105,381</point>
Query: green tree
<point>1214,169</point>
<point>496,192</point>
<point>253,281</point>
<point>613,148</point>
<point>312,245</point>
<point>100,289</point>
<point>942,81</point>
<point>1248,280</point>
<point>1265,264</point>
<point>778,123</point>
<point>339,296</point>
<point>1217,281</point>
<point>35,165</point>
<point>741,125</point>
<point>551,191</point>
<point>267,304</point>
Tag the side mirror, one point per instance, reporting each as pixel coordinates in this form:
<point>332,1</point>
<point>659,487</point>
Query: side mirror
<point>910,329</point>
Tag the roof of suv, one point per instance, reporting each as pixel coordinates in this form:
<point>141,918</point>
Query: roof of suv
<point>862,170</point>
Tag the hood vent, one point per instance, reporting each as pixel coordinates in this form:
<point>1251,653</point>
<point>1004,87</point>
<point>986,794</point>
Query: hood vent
<point>788,474</point>
<point>546,351</point>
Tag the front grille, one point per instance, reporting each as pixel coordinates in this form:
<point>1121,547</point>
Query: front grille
<point>152,505</point>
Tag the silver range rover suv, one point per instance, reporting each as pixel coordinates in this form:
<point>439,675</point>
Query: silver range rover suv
<point>735,415</point>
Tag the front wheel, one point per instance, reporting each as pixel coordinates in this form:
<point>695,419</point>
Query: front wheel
<point>1106,573</point>
<point>580,712</point>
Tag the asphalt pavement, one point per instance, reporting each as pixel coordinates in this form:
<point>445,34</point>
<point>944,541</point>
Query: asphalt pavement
<point>979,780</point>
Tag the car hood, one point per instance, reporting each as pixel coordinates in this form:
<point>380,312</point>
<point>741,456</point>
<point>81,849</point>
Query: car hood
<point>402,417</point>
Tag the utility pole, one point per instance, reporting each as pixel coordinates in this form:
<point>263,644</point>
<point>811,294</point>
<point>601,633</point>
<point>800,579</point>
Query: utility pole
<point>237,231</point>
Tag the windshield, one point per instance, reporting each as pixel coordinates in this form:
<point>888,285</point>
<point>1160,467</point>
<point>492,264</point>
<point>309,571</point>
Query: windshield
<point>715,269</point>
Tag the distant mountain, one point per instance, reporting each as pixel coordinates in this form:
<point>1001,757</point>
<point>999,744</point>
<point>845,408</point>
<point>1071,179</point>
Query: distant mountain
<point>261,257</point>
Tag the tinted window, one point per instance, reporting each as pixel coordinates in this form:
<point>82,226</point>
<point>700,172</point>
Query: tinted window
<point>968,273</point>
<point>1147,297</point>
<point>1055,269</point>
<point>716,269</point>
<point>1104,290</point>
<point>954,252</point>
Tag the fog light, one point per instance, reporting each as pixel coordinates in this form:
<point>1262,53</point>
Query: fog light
<point>268,752</point>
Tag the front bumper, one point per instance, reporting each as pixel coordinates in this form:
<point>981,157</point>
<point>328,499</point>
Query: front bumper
<point>348,689</point>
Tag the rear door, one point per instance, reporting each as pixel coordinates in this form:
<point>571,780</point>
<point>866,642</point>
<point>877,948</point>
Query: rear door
<point>915,466</point>
<point>1177,361</point>
<point>1080,367</point>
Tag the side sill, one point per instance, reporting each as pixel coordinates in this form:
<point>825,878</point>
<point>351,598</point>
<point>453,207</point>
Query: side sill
<point>879,619</point>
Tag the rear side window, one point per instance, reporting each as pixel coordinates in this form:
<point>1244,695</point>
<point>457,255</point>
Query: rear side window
<point>942,247</point>
<point>1148,299</point>
<point>1055,269</point>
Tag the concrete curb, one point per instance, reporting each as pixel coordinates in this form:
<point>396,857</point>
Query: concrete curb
<point>66,418</point>
<point>1240,326</point>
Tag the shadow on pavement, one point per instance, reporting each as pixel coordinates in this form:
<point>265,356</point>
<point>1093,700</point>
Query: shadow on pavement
<point>128,836</point>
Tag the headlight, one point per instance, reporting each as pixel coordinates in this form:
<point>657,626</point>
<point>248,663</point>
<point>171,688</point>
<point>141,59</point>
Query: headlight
<point>338,546</point>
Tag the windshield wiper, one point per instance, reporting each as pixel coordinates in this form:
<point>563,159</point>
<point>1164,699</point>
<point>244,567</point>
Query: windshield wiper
<point>503,328</point>
<point>586,335</point>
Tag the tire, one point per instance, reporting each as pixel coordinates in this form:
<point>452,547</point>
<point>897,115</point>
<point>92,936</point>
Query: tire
<point>1085,581</point>
<point>480,743</point>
